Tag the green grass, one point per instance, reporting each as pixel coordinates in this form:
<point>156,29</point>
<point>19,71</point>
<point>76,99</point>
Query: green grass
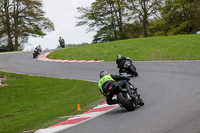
<point>30,103</point>
<point>180,47</point>
<point>11,52</point>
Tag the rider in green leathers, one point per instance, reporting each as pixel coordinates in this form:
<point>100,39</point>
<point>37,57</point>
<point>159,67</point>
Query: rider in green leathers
<point>107,85</point>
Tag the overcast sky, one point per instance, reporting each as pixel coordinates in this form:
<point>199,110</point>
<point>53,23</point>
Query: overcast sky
<point>63,14</point>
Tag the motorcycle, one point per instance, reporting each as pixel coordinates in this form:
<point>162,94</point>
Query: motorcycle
<point>129,98</point>
<point>130,68</point>
<point>36,53</point>
<point>62,44</point>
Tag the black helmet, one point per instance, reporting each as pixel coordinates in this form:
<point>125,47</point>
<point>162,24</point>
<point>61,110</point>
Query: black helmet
<point>103,73</point>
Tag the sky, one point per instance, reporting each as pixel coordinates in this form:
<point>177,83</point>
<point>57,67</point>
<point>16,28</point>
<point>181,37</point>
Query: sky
<point>63,14</point>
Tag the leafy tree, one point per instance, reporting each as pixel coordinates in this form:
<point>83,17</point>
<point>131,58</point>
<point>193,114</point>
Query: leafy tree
<point>5,20</point>
<point>143,10</point>
<point>108,17</point>
<point>2,31</point>
<point>119,19</point>
<point>21,19</point>
<point>181,16</point>
<point>134,30</point>
<point>158,27</point>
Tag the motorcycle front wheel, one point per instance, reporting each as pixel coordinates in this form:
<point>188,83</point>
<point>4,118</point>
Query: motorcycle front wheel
<point>62,45</point>
<point>34,55</point>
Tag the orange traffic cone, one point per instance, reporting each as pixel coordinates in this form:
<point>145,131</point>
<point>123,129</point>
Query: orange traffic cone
<point>78,107</point>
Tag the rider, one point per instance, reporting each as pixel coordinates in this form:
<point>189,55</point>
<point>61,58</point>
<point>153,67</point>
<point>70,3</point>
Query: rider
<point>61,40</point>
<point>108,84</point>
<point>120,62</point>
<point>39,48</point>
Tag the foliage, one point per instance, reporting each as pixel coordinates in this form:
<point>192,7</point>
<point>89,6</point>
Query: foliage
<point>178,17</point>
<point>118,19</point>
<point>158,27</point>
<point>122,19</point>
<point>108,17</point>
<point>21,19</point>
<point>142,10</point>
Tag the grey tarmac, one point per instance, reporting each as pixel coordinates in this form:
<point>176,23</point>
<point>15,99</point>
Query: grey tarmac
<point>170,89</point>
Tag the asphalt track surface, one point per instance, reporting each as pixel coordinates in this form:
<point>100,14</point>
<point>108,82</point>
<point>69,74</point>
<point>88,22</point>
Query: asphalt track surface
<point>170,89</point>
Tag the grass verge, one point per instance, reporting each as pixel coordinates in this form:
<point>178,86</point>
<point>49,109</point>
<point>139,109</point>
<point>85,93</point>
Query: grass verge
<point>31,103</point>
<point>180,47</point>
<point>11,52</point>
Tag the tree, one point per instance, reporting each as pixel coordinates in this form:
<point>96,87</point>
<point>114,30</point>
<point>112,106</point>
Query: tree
<point>119,19</point>
<point>143,10</point>
<point>182,17</point>
<point>5,20</point>
<point>177,17</point>
<point>22,19</point>
<point>107,17</point>
<point>158,27</point>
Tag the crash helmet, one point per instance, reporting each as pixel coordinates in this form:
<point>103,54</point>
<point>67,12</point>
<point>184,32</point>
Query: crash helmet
<point>103,73</point>
<point>119,56</point>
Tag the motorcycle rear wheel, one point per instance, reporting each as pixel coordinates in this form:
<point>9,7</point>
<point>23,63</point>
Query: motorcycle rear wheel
<point>34,55</point>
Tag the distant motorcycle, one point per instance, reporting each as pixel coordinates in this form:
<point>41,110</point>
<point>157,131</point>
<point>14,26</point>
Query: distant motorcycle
<point>62,44</point>
<point>130,68</point>
<point>129,98</point>
<point>36,53</point>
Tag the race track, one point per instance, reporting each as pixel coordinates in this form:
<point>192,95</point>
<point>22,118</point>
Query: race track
<point>171,91</point>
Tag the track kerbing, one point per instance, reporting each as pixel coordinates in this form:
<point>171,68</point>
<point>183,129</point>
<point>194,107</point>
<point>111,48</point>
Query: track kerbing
<point>90,114</point>
<point>43,57</point>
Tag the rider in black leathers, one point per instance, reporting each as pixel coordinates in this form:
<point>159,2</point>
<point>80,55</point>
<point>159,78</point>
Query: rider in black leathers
<point>120,62</point>
<point>108,84</point>
<point>39,48</point>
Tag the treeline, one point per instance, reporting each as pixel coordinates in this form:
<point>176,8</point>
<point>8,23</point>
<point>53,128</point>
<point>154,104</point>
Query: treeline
<point>123,19</point>
<point>20,19</point>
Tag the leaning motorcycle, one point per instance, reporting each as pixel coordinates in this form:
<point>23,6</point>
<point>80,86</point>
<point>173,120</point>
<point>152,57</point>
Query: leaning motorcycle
<point>129,98</point>
<point>36,53</point>
<point>62,44</point>
<point>130,68</point>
